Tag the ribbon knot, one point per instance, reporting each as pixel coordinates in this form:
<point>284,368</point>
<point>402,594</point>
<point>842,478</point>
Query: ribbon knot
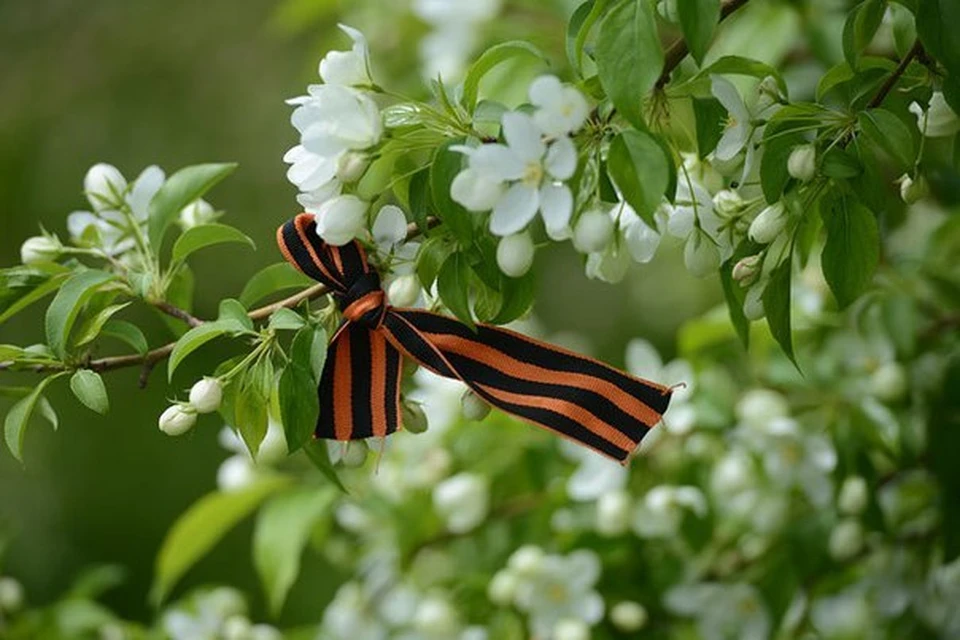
<point>576,397</point>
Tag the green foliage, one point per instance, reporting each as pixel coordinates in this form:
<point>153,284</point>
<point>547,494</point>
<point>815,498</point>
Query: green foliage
<point>698,19</point>
<point>180,189</point>
<point>15,424</point>
<point>89,389</point>
<point>453,284</point>
<point>66,306</point>
<point>271,280</point>
<point>489,59</point>
<point>641,171</point>
<point>852,250</point>
<point>205,235</point>
<point>299,406</point>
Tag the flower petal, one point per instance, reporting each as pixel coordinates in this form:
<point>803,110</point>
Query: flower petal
<point>390,227</point>
<point>561,160</point>
<point>523,136</point>
<point>556,207</point>
<point>497,162</point>
<point>643,359</point>
<point>546,91</point>
<point>514,210</point>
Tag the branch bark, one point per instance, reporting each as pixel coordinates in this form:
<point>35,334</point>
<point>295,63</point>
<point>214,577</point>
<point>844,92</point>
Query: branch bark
<point>915,51</point>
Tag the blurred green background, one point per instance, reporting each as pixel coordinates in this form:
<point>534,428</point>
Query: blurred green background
<point>177,82</point>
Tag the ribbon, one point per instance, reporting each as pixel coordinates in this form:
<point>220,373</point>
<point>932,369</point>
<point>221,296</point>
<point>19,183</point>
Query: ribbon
<point>577,397</point>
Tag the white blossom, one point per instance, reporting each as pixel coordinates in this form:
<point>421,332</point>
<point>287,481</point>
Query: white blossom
<point>722,610</point>
<point>846,539</point>
<point>462,501</point>
<point>742,130</point>
<point>595,474</point>
<point>206,395</point>
<point>802,162</point>
<point>853,495</point>
<point>768,224</point>
<point>613,513</point>
<point>593,231</point>
<point>628,616</point>
<point>560,588</point>
<point>912,190</point>
<point>177,419</point>
<point>349,68</point>
<point>105,187</point>
<point>660,513</point>
<point>561,109</point>
<point>938,120</point>
<point>515,254</point>
<point>643,360</point>
<point>341,219</point>
<point>40,249</point>
<point>197,213</point>
<point>404,291</point>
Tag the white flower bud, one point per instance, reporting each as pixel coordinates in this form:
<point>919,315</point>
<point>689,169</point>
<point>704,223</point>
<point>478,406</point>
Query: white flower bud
<point>348,68</point>
<point>912,190</point>
<point>196,213</point>
<point>939,120</point>
<point>768,224</point>
<point>236,628</point>
<point>593,232</point>
<point>758,407</point>
<point>39,249</point>
<point>462,501</point>
<point>747,270</point>
<point>273,447</point>
<point>11,595</point>
<point>236,472</point>
<point>802,163</point>
<point>769,92</point>
<point>515,254</point>
<point>177,420</point>
<point>700,255</point>
<point>435,617</point>
<point>846,539</point>
<point>888,382</point>
<point>628,616</point>
<point>753,301</point>
<point>728,203</point>
<point>473,407</point>
<point>105,186</point>
<point>571,629</point>
<point>404,291</point>
<point>613,513</point>
<point>527,560</point>
<point>341,219</point>
<point>353,453</point>
<point>413,417</point>
<point>351,166</point>
<point>502,588</point>
<point>475,190</point>
<point>853,496</point>
<point>206,395</point>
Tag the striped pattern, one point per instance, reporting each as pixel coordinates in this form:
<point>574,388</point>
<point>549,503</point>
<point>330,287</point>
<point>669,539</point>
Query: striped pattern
<point>576,397</point>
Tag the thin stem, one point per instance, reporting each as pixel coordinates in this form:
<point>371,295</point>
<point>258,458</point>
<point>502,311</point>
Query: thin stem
<point>177,312</point>
<point>887,87</point>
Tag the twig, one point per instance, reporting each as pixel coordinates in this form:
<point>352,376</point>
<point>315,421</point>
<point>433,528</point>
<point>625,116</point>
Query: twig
<point>177,312</point>
<point>887,86</point>
<point>679,50</point>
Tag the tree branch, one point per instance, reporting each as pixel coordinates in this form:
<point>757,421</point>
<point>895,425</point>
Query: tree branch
<point>151,358</point>
<point>679,50</point>
<point>891,81</point>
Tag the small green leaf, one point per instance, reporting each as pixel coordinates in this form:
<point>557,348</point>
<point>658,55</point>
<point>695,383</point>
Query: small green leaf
<point>180,189</point>
<point>581,22</point>
<point>318,352</point>
<point>282,531</point>
<point>861,25</point>
<point>489,59</point>
<point>780,137</point>
<point>22,286</point>
<point>15,424</point>
<point>66,306</point>
<point>629,57</point>
<point>232,311</point>
<point>204,524</point>
<point>317,451</point>
<point>889,133</point>
<point>89,389</point>
<point>516,297</point>
<point>299,405</point>
<point>126,332</point>
<point>640,170</point>
<point>446,165</point>
<point>840,163</point>
<point>93,326</point>
<point>252,403</point>
<point>196,338</point>
<point>937,22</point>
<point>205,235</point>
<point>284,319</point>
<point>271,280</point>
<point>711,117</point>
<point>698,20</point>
<point>852,250</point>
<point>433,253</point>
<point>734,294</point>
<point>453,285</point>
<point>419,198</point>
<point>776,306</point>
<point>741,66</point>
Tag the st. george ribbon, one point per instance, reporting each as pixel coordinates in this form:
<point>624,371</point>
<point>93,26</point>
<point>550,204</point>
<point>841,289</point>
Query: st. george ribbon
<point>572,395</point>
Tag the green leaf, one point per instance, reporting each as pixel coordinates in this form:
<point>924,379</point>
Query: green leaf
<point>196,338</point>
<point>66,306</point>
<point>734,294</point>
<point>453,285</point>
<point>126,332</point>
<point>88,386</point>
<point>15,424</point>
<point>516,297</point>
<point>318,352</point>
<point>284,319</point>
<point>205,235</point>
<point>637,165</point>
<point>581,21</point>
<point>710,118</point>
<point>852,250</point>
<point>889,133</point>
<point>180,294</point>
<point>419,198</point>
<point>861,25</point>
<point>840,163</point>
<point>204,524</point>
<point>446,166</point>
<point>698,20</point>
<point>629,57</point>
<point>22,286</point>
<point>433,253</point>
<point>299,405</point>
<point>317,451</point>
<point>277,277</point>
<point>776,306</point>
<point>937,22</point>
<point>780,137</point>
<point>490,59</point>
<point>93,326</point>
<point>180,189</point>
<point>282,531</point>
<point>251,408</point>
<point>231,310</point>
<point>741,66</point>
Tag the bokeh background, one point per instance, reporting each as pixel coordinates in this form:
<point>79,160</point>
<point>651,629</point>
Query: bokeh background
<point>177,82</point>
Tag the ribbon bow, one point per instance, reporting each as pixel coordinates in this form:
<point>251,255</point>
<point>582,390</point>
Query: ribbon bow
<point>574,396</point>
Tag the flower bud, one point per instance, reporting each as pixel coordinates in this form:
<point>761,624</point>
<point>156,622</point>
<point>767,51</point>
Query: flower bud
<point>414,419</point>
<point>11,595</point>
<point>404,291</point>
<point>888,382</point>
<point>769,92</point>
<point>527,560</point>
<point>502,588</point>
<point>206,395</point>
<point>802,163</point>
<point>701,255</point>
<point>593,232</point>
<point>236,472</point>
<point>571,629</point>
<point>341,219</point>
<point>348,68</point>
<point>39,249</point>
<point>104,186</point>
<point>912,190</point>
<point>768,224</point>
<point>273,447</point>
<point>473,407</point>
<point>197,213</point>
<point>853,496</point>
<point>613,513</point>
<point>938,120</point>
<point>435,617</point>
<point>753,302</point>
<point>177,420</point>
<point>351,166</point>
<point>747,270</point>
<point>515,254</point>
<point>628,616</point>
<point>846,539</point>
<point>355,454</point>
<point>727,203</point>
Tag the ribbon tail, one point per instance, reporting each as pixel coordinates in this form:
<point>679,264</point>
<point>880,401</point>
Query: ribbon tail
<point>574,396</point>
<point>359,390</point>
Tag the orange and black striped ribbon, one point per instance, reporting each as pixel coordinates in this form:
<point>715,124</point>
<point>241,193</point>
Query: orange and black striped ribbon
<point>572,395</point>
